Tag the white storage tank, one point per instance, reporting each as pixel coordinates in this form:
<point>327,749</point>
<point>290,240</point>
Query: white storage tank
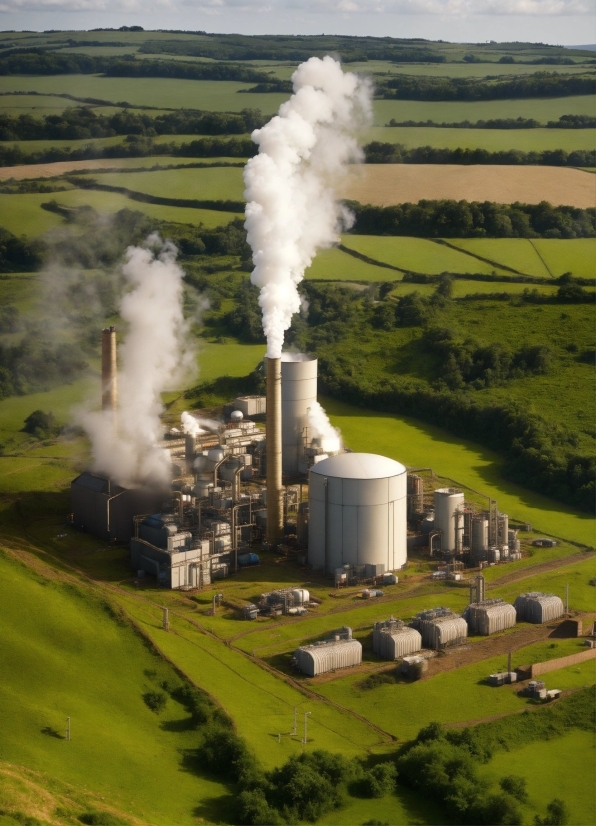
<point>479,537</point>
<point>449,518</point>
<point>301,596</point>
<point>329,655</point>
<point>298,393</point>
<point>357,506</point>
<point>393,639</point>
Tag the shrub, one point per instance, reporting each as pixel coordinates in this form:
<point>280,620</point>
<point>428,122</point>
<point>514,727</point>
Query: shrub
<point>155,700</point>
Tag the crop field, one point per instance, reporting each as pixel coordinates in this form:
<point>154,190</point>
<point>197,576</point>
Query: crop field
<point>162,93</point>
<point>403,708</point>
<point>541,109</point>
<point>457,69</point>
<point>560,767</point>
<point>493,140</point>
<point>420,445</point>
<point>23,215</point>
<point>416,254</point>
<point>64,654</point>
<point>218,184</point>
<point>542,257</point>
<point>336,265</point>
<point>383,185</point>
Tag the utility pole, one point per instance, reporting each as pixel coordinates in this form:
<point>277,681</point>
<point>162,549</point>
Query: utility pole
<point>567,598</point>
<point>68,729</point>
<point>306,716</point>
<point>295,721</point>
<point>166,619</point>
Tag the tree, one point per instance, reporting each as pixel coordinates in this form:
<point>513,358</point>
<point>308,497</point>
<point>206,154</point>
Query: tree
<point>557,814</point>
<point>39,423</point>
<point>516,786</point>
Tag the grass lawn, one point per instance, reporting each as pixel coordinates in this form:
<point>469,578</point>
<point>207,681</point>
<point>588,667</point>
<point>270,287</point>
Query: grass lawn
<point>517,253</point>
<point>494,140</point>
<point>404,708</point>
<point>228,359</point>
<point>336,265</point>
<point>542,109</point>
<point>561,767</point>
<point>416,254</point>
<point>164,93</point>
<point>577,576</point>
<point>203,184</point>
<point>577,256</point>
<point>420,445</point>
<point>64,654</point>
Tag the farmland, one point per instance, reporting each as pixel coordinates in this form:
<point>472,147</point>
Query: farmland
<point>493,140</point>
<point>218,184</point>
<point>383,185</point>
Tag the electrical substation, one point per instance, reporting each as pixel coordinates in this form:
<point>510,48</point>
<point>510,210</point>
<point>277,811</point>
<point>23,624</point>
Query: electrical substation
<point>264,475</point>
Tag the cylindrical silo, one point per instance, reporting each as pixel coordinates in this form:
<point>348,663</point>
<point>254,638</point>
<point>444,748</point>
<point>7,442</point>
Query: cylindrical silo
<point>503,529</point>
<point>479,537</point>
<point>415,495</point>
<point>357,512</point>
<point>298,393</point>
<point>449,507</point>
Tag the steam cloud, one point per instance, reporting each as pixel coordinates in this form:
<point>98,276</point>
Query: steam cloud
<point>328,436</point>
<point>195,425</point>
<point>155,356</point>
<point>292,208</point>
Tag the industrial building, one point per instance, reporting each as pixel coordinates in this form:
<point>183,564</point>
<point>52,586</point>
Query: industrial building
<point>357,512</point>
<point>537,607</point>
<point>393,639</point>
<point>440,628</point>
<point>340,651</point>
<point>490,616</point>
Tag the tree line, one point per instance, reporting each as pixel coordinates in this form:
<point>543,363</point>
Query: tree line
<point>564,122</point>
<point>377,152</point>
<point>538,85</point>
<point>465,219</point>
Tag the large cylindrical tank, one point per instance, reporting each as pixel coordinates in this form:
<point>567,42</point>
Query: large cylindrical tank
<point>357,512</point>
<point>449,507</point>
<point>479,537</point>
<point>298,393</point>
<point>503,529</point>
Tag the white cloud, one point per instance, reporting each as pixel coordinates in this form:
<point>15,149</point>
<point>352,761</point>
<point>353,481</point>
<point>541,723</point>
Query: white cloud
<point>445,8</point>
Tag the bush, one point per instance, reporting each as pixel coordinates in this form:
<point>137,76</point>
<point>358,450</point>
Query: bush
<point>380,780</point>
<point>557,814</point>
<point>39,424</point>
<point>155,700</point>
<point>516,786</point>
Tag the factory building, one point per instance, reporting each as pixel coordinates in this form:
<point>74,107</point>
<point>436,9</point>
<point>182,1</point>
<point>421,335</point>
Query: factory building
<point>106,510</point>
<point>490,616</point>
<point>357,512</point>
<point>440,628</point>
<point>393,639</point>
<point>537,607</point>
<point>340,651</point>
<point>175,557</point>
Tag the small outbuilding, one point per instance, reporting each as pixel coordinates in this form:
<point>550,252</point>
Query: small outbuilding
<point>440,628</point>
<point>538,607</point>
<point>393,639</point>
<point>490,616</point>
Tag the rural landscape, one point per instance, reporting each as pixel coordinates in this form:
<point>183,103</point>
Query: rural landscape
<point>453,320</point>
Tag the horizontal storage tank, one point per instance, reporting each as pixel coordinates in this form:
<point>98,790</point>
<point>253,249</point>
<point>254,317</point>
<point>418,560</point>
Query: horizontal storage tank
<point>393,640</point>
<point>328,656</point>
<point>537,607</point>
<point>440,628</point>
<point>357,512</point>
<point>449,506</point>
<point>490,616</point>
<point>301,596</point>
<point>298,393</point>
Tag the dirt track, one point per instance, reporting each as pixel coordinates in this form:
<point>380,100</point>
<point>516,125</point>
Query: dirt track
<point>385,184</point>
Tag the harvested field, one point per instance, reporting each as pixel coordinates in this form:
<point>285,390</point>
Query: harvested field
<point>383,185</point>
<point>53,170</point>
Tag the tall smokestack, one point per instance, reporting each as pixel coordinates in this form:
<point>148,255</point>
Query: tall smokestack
<point>274,479</point>
<point>109,370</point>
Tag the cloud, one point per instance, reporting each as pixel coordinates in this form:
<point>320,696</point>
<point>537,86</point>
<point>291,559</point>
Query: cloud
<point>445,8</point>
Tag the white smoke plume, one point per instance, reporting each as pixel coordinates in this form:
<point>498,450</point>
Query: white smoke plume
<point>318,421</point>
<point>195,425</point>
<point>155,356</point>
<point>291,185</point>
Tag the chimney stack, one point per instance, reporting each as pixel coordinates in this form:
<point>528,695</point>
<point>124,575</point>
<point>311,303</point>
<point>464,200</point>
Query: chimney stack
<point>274,477</point>
<point>109,370</point>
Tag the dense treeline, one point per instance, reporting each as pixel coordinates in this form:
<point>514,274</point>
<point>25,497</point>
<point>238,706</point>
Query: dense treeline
<point>80,123</point>
<point>42,62</point>
<point>33,365</point>
<point>377,152</point>
<point>538,85</point>
<point>564,122</point>
<point>18,254</point>
<point>465,219</point>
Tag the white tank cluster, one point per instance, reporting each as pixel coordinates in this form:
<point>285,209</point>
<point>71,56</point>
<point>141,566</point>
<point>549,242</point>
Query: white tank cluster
<point>357,504</point>
<point>449,518</point>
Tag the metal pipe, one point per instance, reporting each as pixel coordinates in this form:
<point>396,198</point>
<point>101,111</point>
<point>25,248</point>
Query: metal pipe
<point>274,477</point>
<point>109,370</point>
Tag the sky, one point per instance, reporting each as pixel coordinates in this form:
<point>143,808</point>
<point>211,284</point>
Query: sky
<point>563,22</point>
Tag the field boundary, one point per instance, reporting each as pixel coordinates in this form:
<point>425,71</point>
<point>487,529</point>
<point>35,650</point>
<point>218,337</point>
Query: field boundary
<point>548,269</point>
<point>475,255</point>
<point>143,197</point>
<point>553,665</point>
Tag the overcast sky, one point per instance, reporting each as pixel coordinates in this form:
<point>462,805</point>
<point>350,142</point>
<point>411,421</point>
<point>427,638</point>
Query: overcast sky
<point>564,22</point>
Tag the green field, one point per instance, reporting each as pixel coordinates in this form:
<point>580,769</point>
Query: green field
<point>416,254</point>
<point>561,767</point>
<point>578,256</point>
<point>335,265</point>
<point>23,215</point>
<point>64,654</point>
<point>517,253</point>
<point>217,184</point>
<point>419,445</point>
<point>493,140</point>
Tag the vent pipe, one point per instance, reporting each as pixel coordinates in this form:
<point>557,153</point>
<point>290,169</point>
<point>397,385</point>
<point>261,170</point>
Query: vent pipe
<point>109,370</point>
<point>274,478</point>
